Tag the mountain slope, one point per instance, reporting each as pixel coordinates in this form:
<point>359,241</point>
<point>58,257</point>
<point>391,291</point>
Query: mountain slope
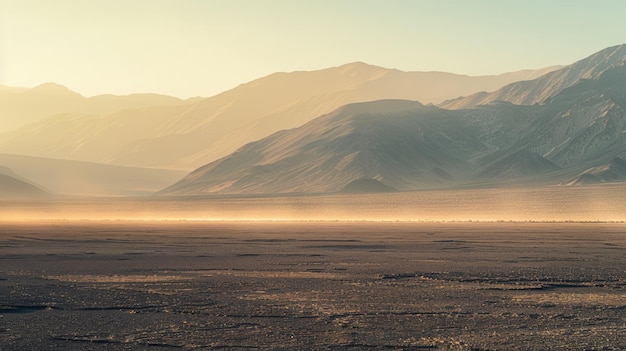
<point>9,172</point>
<point>89,138</point>
<point>539,90</point>
<point>614,171</point>
<point>187,136</point>
<point>403,144</point>
<point>14,187</point>
<point>519,165</point>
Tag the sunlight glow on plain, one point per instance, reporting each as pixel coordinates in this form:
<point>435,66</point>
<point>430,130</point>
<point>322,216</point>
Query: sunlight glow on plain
<point>547,204</point>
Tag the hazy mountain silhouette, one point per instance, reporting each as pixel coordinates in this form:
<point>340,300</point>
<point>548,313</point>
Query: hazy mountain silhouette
<point>187,136</point>
<point>21,106</point>
<point>84,178</point>
<point>408,146</point>
<point>539,90</point>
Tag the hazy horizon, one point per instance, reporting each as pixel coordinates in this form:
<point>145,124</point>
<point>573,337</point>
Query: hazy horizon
<point>201,48</point>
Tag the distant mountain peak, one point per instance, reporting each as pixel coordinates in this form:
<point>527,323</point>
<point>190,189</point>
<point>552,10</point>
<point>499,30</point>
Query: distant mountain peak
<point>50,86</point>
<point>52,89</point>
<point>355,68</point>
<point>357,64</point>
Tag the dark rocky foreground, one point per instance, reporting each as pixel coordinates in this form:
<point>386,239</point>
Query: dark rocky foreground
<point>335,286</point>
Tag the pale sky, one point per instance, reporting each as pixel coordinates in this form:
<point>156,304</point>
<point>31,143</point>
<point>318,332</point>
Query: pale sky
<point>202,47</point>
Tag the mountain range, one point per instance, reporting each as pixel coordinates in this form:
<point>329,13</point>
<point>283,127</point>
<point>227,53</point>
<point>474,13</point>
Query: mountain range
<point>565,127</point>
<point>352,128</point>
<point>169,133</point>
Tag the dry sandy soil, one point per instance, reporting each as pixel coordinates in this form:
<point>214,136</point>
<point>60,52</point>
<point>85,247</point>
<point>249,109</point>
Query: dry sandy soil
<point>330,286</point>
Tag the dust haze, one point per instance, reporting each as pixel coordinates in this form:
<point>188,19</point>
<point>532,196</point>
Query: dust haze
<point>601,203</point>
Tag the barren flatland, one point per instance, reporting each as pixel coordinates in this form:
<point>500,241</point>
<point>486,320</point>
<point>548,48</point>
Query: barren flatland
<point>167,285</point>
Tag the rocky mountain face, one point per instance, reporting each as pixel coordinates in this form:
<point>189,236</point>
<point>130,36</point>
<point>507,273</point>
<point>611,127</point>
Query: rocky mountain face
<point>579,130</point>
<point>185,135</point>
<point>384,140</point>
<point>402,144</point>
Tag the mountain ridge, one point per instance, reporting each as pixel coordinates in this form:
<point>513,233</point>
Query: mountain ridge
<point>185,136</point>
<point>21,106</point>
<point>538,90</point>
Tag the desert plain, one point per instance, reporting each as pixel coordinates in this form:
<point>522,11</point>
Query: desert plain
<point>312,285</point>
